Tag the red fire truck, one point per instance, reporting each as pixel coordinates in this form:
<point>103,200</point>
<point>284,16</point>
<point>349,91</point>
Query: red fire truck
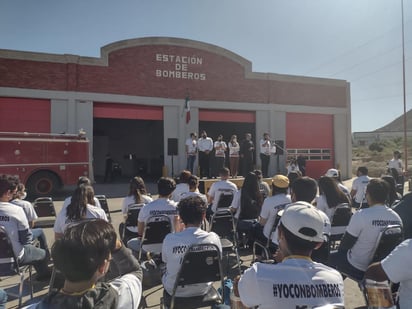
<point>44,162</point>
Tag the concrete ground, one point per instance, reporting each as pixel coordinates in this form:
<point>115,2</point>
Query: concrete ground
<point>115,192</point>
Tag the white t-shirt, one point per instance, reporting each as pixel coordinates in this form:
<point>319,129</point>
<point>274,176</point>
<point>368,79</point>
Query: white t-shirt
<point>174,247</point>
<point>181,188</point>
<point>129,200</point>
<point>13,219</point>
<point>69,199</point>
<point>360,184</point>
<point>365,225</point>
<point>220,148</point>
<point>62,221</point>
<point>27,208</point>
<point>129,290</point>
<point>204,144</point>
<point>396,267</point>
<point>218,188</point>
<point>396,164</point>
<point>161,206</point>
<point>322,204</point>
<point>234,149</point>
<point>326,221</point>
<point>265,149</point>
<point>271,206</point>
<point>191,146</point>
<point>196,193</point>
<point>292,168</point>
<point>294,283</point>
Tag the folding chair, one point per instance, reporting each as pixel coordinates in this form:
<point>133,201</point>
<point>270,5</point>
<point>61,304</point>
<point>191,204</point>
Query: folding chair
<point>202,263</point>
<point>340,220</point>
<point>223,224</point>
<point>9,264</point>
<point>105,205</point>
<point>156,229</point>
<point>131,221</point>
<point>390,237</point>
<point>44,208</point>
<point>225,200</point>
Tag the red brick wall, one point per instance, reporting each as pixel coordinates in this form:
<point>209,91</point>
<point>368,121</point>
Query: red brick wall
<point>132,71</point>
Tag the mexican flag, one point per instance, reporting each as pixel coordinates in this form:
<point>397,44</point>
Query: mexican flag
<point>187,109</point>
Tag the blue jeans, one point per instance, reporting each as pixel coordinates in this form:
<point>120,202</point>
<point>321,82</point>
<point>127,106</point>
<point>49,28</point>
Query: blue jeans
<point>339,261</point>
<point>36,257</point>
<point>3,299</point>
<point>190,163</point>
<point>39,235</point>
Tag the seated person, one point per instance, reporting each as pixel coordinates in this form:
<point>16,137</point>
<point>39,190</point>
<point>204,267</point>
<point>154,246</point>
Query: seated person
<point>3,299</point>
<point>83,255</point>
<point>358,243</point>
<point>393,268</point>
<point>223,186</point>
<point>83,180</point>
<point>297,280</point>
<point>14,220</point>
<point>192,211</point>
<point>80,208</point>
<point>270,208</point>
<point>162,206</point>
<point>137,195</point>
<point>194,189</point>
<point>182,187</point>
<point>37,233</point>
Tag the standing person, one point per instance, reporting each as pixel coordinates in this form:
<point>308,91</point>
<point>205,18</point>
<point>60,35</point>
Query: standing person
<point>81,207</point>
<point>396,169</point>
<point>234,149</point>
<point>265,146</point>
<point>301,160</point>
<point>205,146</point>
<point>14,220</point>
<point>295,282</point>
<point>393,268</point>
<point>358,192</point>
<point>83,255</point>
<point>191,151</point>
<point>108,172</point>
<point>358,243</point>
<point>192,211</point>
<point>220,154</point>
<point>246,154</point>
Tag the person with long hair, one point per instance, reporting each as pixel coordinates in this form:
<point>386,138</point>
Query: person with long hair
<point>81,207</point>
<point>137,195</point>
<point>246,205</point>
<point>234,149</point>
<point>330,196</point>
<point>393,196</point>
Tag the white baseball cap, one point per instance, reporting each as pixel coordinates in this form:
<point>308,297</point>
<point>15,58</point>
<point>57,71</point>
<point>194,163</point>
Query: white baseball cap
<point>332,172</point>
<point>304,221</point>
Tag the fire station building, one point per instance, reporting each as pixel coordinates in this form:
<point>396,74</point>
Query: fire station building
<point>130,101</point>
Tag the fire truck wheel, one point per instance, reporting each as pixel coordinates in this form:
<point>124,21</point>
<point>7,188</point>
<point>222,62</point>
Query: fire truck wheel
<point>42,184</point>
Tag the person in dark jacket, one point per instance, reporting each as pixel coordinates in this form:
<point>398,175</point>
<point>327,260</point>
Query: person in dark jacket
<point>84,255</point>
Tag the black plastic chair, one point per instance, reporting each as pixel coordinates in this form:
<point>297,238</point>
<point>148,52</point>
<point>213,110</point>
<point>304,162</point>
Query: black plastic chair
<point>155,230</point>
<point>340,220</point>
<point>223,224</point>
<point>105,205</point>
<point>225,200</point>
<point>45,210</point>
<point>131,221</point>
<point>201,263</point>
<point>9,264</point>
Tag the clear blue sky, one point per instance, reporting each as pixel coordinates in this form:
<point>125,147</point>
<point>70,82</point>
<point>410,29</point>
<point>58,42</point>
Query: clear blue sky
<point>355,40</point>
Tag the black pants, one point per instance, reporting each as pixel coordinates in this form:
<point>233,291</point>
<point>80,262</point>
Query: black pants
<point>204,166</point>
<point>265,159</point>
